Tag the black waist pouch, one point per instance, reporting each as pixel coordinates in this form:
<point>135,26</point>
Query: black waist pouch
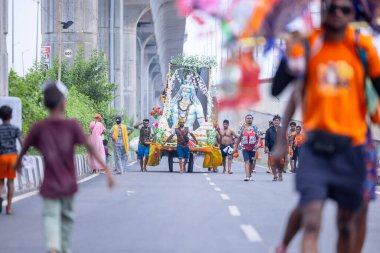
<point>327,144</point>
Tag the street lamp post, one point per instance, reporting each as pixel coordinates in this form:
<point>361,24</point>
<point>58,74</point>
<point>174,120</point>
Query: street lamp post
<point>22,58</point>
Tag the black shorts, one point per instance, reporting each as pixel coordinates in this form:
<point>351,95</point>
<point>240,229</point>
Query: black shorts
<point>295,155</point>
<point>224,147</point>
<point>249,155</point>
<point>339,177</point>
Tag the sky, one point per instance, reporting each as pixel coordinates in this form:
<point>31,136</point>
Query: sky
<point>25,34</point>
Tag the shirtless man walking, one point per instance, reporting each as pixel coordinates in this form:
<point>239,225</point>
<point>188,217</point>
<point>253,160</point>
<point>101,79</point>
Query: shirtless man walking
<point>183,139</point>
<point>225,138</point>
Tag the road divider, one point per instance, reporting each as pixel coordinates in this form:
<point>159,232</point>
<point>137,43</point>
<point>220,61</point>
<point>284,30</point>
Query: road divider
<point>35,192</point>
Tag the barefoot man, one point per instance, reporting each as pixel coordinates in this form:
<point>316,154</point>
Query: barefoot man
<point>225,136</point>
<point>183,139</point>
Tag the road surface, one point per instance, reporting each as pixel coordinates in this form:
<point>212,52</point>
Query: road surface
<point>167,212</point>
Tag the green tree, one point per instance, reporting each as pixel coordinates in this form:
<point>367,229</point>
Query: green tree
<point>28,89</point>
<point>89,89</point>
<point>80,107</point>
<point>91,77</point>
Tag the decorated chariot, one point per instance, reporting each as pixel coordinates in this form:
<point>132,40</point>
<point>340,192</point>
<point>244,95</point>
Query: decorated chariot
<point>188,96</point>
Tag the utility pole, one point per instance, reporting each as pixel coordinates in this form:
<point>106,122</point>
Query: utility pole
<point>13,34</point>
<point>59,39</point>
<point>38,11</point>
<point>61,25</point>
<point>22,58</point>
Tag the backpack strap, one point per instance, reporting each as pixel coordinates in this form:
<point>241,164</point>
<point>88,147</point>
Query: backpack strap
<point>303,78</point>
<point>361,53</point>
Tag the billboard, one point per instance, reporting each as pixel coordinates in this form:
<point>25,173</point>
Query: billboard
<point>46,55</point>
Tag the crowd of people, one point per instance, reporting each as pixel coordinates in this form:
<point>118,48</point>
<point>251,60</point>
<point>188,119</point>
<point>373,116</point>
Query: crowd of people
<point>332,153</point>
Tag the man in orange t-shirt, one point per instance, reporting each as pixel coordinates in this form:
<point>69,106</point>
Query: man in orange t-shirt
<point>331,86</point>
<point>291,135</point>
<point>299,139</point>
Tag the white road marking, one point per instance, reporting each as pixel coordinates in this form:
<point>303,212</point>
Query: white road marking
<point>234,211</point>
<point>205,174</point>
<point>378,193</point>
<point>21,197</point>
<point>224,196</point>
<point>87,178</point>
<point>217,189</point>
<point>212,184</point>
<point>30,194</point>
<point>208,179</point>
<point>251,233</point>
<point>132,163</point>
<point>129,193</point>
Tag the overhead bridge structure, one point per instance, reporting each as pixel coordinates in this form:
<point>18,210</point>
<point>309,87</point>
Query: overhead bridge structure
<point>139,37</point>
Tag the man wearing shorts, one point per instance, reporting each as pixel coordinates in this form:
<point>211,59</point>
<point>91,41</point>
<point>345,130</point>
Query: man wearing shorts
<point>183,150</point>
<point>146,134</point>
<point>299,139</point>
<point>225,136</point>
<point>249,140</point>
<point>332,164</point>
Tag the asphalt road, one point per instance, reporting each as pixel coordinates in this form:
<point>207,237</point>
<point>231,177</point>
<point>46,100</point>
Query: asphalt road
<point>167,212</point>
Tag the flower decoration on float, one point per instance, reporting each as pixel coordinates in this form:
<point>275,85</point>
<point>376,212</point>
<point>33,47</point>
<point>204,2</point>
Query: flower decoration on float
<point>156,112</point>
<point>159,132</point>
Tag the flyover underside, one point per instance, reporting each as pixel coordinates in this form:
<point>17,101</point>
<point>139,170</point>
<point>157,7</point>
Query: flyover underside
<point>139,38</point>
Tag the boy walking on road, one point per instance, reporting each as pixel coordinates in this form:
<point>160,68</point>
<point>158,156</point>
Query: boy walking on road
<point>55,137</point>
<point>9,134</point>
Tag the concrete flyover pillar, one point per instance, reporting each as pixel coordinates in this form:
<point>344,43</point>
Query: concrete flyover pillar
<point>3,48</point>
<point>83,33</point>
<point>156,87</point>
<point>150,61</point>
<point>110,40</point>
<point>132,14</point>
<point>144,85</point>
<point>169,31</point>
